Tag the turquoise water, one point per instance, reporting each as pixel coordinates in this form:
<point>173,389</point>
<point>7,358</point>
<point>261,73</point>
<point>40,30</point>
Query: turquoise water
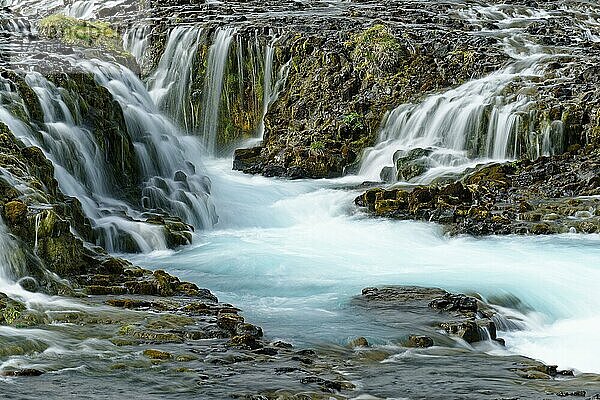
<point>292,254</point>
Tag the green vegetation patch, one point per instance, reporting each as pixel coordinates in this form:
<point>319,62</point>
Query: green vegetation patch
<point>377,49</point>
<point>354,120</point>
<point>73,31</point>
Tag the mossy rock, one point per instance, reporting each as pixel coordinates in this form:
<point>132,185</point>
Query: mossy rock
<point>154,354</point>
<point>73,31</point>
<point>15,212</point>
<point>10,310</point>
<point>376,50</point>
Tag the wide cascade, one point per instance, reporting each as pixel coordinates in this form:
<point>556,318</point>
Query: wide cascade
<point>217,83</point>
<point>480,121</point>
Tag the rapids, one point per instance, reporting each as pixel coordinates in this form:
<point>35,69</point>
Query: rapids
<point>293,254</point>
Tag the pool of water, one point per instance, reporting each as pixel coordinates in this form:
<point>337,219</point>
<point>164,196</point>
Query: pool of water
<point>292,255</point>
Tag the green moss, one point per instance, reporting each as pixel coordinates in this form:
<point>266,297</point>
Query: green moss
<point>10,310</point>
<point>376,50</point>
<point>317,146</point>
<point>154,354</point>
<point>354,120</point>
<point>77,32</point>
<point>127,330</point>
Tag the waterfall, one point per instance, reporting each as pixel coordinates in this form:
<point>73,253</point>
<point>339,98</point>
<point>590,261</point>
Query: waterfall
<point>135,41</point>
<point>170,84</point>
<point>12,259</point>
<point>80,168</point>
<point>223,95</point>
<point>213,86</point>
<point>170,162</point>
<point>272,84</point>
<point>474,121</point>
<point>90,9</point>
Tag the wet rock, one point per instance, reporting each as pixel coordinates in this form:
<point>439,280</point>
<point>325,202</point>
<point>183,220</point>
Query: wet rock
<point>15,212</point>
<point>22,372</point>
<point>412,163</point>
<point>460,315</point>
<point>533,374</point>
<point>455,302</point>
<point>247,160</point>
<point>323,383</point>
<point>540,197</point>
<point>358,342</point>
<point>154,354</point>
<point>28,283</point>
<point>229,322</point>
<point>246,341</point>
<point>401,294</point>
<point>129,303</point>
<point>466,330</point>
<point>282,345</point>
<point>419,341</point>
<point>10,310</point>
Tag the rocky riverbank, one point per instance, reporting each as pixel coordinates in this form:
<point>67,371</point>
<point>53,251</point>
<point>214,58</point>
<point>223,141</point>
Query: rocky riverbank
<point>162,339</point>
<point>558,194</point>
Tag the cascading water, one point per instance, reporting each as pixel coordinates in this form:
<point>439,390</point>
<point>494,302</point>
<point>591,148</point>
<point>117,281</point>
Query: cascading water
<point>170,85</point>
<point>273,84</point>
<point>12,259</point>
<point>477,121</point>
<point>472,122</point>
<point>170,162</point>
<point>172,183</point>
<point>80,168</point>
<point>135,41</point>
<point>201,102</point>
<point>213,86</point>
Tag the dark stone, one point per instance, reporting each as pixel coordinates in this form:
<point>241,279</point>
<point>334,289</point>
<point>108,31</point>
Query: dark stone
<point>419,341</point>
<point>23,372</point>
<point>466,330</point>
<point>455,302</point>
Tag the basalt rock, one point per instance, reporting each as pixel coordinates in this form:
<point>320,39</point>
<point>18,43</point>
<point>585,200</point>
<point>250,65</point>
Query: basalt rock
<point>458,315</point>
<point>549,195</point>
<point>339,88</point>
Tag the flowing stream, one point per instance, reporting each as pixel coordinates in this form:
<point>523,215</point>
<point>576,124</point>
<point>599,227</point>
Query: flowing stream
<point>293,254</point>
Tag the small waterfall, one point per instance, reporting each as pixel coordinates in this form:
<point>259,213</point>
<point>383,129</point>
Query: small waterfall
<point>81,9</point>
<point>135,41</point>
<point>12,259</point>
<point>475,121</point>
<point>80,168</point>
<point>213,86</point>
<point>223,93</point>
<point>170,84</point>
<point>90,9</point>
<point>272,84</point>
<point>170,162</point>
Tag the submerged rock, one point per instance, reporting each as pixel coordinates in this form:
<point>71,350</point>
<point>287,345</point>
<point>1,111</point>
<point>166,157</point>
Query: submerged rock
<point>154,354</point>
<point>22,372</point>
<point>461,315</point>
<point>358,342</point>
<point>419,341</point>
